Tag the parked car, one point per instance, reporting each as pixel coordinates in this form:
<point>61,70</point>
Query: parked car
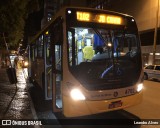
<point>152,72</point>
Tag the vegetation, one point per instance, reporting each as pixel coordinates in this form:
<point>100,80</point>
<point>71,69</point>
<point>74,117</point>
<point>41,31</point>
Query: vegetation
<point>13,14</point>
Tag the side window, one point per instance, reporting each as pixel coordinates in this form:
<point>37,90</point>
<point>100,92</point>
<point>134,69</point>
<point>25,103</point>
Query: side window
<point>70,47</point>
<point>57,41</point>
<point>150,67</point>
<point>57,33</point>
<point>35,50</point>
<point>32,53</point>
<point>48,50</point>
<point>40,46</point>
<point>157,68</point>
<point>58,62</point>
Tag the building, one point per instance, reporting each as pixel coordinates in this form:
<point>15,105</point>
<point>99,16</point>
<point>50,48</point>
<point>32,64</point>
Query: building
<point>52,6</point>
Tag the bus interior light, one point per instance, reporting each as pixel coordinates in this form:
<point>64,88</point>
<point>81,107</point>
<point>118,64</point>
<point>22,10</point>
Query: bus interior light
<point>139,87</point>
<point>76,94</point>
<point>109,44</point>
<point>47,33</point>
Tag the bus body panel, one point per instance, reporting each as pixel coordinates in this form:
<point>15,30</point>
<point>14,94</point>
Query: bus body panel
<point>81,108</point>
<point>95,100</point>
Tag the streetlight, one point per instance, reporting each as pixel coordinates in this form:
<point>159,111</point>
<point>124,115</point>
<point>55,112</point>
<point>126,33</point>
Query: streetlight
<point>155,33</point>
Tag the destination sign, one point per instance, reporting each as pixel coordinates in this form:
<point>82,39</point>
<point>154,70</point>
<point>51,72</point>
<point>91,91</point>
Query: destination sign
<point>99,18</point>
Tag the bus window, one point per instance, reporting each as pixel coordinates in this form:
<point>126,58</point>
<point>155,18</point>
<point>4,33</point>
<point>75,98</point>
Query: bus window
<point>58,69</point>
<point>130,44</point>
<point>57,44</point>
<point>35,50</point>
<point>48,50</point>
<point>58,57</point>
<point>80,46</point>
<point>114,49</point>
<point>33,53</point>
<point>40,46</point>
<point>70,47</point>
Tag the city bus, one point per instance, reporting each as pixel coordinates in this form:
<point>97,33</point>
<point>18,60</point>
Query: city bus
<point>88,61</point>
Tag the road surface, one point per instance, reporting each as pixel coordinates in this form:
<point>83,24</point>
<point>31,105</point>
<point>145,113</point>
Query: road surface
<point>150,106</point>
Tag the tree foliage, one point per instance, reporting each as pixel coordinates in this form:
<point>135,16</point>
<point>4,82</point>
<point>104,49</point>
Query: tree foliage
<point>13,14</point>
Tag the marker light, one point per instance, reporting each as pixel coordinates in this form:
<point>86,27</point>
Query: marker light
<point>132,20</point>
<point>47,33</point>
<point>69,11</point>
<point>139,87</point>
<point>76,94</point>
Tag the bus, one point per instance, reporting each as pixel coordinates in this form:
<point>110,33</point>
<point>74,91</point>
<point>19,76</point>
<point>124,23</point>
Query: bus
<point>88,61</point>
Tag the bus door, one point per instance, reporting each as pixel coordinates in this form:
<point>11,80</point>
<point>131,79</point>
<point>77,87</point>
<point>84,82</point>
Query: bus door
<point>57,77</point>
<point>57,64</point>
<point>47,83</point>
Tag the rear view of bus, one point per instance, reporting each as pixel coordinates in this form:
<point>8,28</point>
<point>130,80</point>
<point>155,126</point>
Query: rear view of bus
<point>102,70</point>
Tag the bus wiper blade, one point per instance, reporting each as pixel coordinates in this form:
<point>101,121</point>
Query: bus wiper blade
<point>106,71</point>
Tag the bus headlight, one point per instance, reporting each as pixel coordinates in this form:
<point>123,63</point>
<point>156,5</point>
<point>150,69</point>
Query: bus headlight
<point>139,87</point>
<point>76,94</point>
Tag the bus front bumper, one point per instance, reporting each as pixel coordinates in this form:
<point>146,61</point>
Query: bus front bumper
<point>72,108</point>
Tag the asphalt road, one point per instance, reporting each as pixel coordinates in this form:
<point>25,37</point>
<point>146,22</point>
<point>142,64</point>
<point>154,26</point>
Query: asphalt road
<point>150,106</point>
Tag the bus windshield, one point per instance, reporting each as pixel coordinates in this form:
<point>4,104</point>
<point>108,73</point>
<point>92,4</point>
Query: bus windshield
<point>102,58</point>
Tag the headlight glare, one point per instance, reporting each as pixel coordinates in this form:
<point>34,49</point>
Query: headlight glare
<point>139,87</point>
<point>76,94</point>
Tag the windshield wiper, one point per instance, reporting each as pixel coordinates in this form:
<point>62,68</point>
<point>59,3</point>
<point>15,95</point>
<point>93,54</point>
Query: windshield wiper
<point>106,71</point>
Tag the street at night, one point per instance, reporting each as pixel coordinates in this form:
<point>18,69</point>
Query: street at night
<point>149,108</point>
<point>41,109</point>
<point>80,64</point>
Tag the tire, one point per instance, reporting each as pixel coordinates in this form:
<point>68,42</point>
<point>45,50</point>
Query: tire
<point>145,76</point>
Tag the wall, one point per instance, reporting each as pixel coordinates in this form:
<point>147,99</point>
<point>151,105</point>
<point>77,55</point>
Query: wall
<point>78,3</point>
<point>144,11</point>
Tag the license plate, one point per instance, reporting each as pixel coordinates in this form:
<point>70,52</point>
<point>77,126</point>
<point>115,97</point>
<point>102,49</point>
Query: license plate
<point>115,104</point>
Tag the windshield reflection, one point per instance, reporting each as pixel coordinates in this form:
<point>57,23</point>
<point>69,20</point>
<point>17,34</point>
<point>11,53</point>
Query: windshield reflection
<point>101,56</point>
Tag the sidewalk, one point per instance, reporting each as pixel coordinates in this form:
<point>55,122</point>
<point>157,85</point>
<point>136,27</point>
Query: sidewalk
<point>15,101</point>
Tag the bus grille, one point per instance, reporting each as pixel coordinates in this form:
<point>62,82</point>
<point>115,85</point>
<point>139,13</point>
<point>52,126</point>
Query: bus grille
<point>108,85</point>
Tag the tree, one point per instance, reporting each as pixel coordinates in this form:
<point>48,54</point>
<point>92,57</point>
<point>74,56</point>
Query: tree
<point>13,14</point>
